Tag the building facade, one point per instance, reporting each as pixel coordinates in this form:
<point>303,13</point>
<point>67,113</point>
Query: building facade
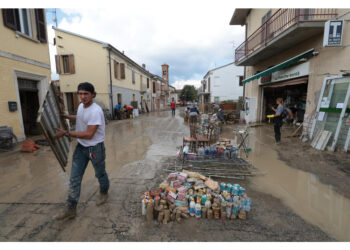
<point>284,56</point>
<point>24,69</point>
<point>116,77</point>
<point>221,84</point>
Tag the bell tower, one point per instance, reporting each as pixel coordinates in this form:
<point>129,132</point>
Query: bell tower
<point>165,72</point>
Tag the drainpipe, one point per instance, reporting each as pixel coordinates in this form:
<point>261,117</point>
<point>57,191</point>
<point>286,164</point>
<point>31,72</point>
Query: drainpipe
<point>110,81</point>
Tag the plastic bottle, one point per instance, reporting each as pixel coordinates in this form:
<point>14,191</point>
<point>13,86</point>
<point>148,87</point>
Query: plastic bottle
<point>198,210</point>
<point>229,210</point>
<point>149,210</point>
<point>144,204</point>
<point>204,199</point>
<point>222,186</point>
<point>192,207</point>
<point>207,204</point>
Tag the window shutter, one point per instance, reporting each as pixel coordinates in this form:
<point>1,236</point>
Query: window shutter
<point>11,18</point>
<point>116,64</point>
<point>40,24</point>
<point>122,71</point>
<point>71,64</point>
<point>58,65</point>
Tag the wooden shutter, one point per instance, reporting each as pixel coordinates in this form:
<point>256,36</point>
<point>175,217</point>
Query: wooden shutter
<point>11,18</point>
<point>40,24</point>
<point>116,65</point>
<point>122,71</point>
<point>58,65</point>
<point>71,67</point>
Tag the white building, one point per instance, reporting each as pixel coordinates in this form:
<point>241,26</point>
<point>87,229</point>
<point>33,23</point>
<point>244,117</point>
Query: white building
<point>222,83</point>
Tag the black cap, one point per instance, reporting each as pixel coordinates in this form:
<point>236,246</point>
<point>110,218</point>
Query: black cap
<point>86,86</point>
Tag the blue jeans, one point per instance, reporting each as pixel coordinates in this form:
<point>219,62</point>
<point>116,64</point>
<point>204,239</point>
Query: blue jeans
<point>81,157</point>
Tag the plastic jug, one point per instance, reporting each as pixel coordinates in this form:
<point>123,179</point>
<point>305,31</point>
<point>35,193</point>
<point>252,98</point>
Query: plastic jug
<point>192,207</point>
<point>198,210</point>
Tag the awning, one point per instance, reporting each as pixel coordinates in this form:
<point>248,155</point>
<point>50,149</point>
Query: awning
<point>301,80</point>
<point>280,66</point>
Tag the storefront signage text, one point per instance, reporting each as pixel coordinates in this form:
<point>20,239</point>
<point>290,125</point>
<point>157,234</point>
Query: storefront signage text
<point>286,74</point>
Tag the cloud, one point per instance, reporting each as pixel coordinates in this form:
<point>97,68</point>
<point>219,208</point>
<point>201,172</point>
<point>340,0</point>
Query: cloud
<point>180,84</point>
<point>189,36</point>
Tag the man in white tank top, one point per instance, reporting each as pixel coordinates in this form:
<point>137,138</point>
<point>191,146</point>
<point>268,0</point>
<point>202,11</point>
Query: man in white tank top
<point>90,134</point>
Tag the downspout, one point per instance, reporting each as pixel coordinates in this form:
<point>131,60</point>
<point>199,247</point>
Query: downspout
<point>110,81</point>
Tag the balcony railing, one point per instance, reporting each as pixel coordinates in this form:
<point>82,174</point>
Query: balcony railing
<point>280,21</point>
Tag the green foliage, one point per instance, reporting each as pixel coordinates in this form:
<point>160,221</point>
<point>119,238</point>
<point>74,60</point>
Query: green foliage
<point>240,104</point>
<point>188,93</point>
<point>227,102</point>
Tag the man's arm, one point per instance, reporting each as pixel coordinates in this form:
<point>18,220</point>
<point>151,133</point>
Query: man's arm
<point>70,117</point>
<point>88,134</point>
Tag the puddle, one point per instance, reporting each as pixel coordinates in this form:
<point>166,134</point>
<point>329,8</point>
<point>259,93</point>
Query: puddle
<point>312,200</point>
<point>38,178</point>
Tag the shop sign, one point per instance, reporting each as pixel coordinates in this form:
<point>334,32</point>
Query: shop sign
<point>289,73</point>
<point>265,79</point>
<point>333,33</point>
<point>292,72</point>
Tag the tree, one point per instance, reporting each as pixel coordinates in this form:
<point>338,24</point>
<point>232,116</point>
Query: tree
<point>188,93</point>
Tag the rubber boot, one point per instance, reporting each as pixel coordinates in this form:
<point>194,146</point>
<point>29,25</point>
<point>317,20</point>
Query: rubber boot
<point>67,213</point>
<point>101,199</point>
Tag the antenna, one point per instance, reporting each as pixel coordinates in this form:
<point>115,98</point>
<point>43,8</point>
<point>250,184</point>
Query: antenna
<point>54,19</point>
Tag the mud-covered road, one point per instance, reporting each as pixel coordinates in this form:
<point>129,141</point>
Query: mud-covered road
<point>33,188</point>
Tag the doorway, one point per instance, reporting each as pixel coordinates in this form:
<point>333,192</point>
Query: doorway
<point>29,99</point>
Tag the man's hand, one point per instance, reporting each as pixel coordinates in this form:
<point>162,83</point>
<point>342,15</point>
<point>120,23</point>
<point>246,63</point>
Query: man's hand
<point>70,117</point>
<point>60,133</point>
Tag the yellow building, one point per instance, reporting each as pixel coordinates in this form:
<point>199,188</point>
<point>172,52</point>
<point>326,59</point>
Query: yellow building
<point>284,56</point>
<point>83,59</point>
<point>24,68</point>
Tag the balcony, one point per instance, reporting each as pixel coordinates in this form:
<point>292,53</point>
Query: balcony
<point>143,88</point>
<point>284,29</point>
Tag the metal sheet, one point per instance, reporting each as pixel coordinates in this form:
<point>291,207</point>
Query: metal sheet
<point>49,118</point>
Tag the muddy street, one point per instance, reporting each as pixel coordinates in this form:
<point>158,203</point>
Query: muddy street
<point>289,204</point>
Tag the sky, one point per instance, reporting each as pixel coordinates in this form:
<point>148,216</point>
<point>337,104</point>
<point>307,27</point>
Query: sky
<point>192,37</point>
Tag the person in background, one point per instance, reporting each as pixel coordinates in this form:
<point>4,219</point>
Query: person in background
<point>172,105</point>
<point>193,114</point>
<point>220,115</point>
<point>187,113</point>
<point>117,111</point>
<point>278,121</point>
<point>128,110</point>
<point>90,134</point>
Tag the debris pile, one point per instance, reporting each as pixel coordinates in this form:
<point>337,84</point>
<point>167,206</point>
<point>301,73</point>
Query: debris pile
<point>209,126</point>
<point>189,194</point>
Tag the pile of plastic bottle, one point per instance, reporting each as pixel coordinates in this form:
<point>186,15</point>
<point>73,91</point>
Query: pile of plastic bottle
<point>188,194</point>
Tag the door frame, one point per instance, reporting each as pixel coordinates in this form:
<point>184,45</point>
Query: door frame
<point>42,89</point>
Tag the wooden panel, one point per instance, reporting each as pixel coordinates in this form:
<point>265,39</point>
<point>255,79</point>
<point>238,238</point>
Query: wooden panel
<point>49,118</point>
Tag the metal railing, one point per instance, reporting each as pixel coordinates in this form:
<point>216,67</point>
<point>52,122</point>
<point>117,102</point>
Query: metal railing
<point>280,21</point>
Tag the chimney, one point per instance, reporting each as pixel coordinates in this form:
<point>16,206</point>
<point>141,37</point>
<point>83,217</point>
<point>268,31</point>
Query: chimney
<point>144,66</point>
